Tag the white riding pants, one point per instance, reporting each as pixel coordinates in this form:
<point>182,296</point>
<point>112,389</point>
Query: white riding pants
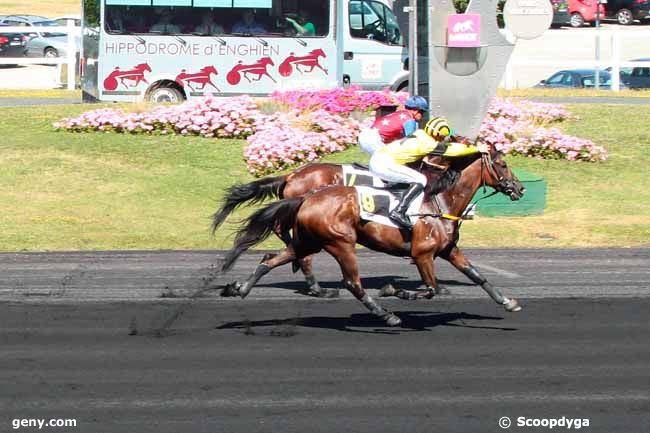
<point>386,168</point>
<point>370,140</point>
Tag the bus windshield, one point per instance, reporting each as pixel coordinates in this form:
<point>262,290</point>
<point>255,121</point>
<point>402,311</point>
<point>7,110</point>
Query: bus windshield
<point>285,18</point>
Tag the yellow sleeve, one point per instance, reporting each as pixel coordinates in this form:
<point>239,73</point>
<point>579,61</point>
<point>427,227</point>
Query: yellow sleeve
<point>460,149</point>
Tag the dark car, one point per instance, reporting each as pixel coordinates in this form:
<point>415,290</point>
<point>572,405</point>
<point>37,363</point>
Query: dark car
<point>11,44</point>
<point>637,77</point>
<point>626,11</point>
<point>578,78</point>
<point>561,15</point>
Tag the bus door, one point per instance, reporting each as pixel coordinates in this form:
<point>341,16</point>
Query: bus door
<point>90,50</point>
<point>374,52</point>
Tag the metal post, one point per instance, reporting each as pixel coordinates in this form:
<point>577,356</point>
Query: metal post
<point>616,60</point>
<point>597,75</point>
<point>72,56</point>
<point>413,47</point>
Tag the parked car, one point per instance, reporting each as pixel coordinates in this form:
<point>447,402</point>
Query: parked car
<point>40,43</point>
<point>560,13</point>
<point>578,78</point>
<point>52,46</point>
<point>26,21</point>
<point>637,77</point>
<point>584,11</point>
<point>11,44</point>
<point>626,11</point>
<point>63,21</point>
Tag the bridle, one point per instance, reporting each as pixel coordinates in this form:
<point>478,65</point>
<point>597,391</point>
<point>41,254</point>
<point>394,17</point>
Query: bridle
<point>487,163</point>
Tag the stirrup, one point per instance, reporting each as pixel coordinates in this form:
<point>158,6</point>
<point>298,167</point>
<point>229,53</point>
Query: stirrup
<point>401,219</point>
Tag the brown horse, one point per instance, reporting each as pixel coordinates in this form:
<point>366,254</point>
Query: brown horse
<point>313,176</point>
<point>329,219</point>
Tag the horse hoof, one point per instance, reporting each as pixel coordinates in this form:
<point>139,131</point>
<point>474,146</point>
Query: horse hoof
<point>245,290</point>
<point>442,291</point>
<point>393,320</point>
<point>231,290</point>
<point>387,290</point>
<point>328,293</point>
<point>512,306</point>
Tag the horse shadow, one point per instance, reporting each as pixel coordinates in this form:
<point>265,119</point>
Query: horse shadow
<point>368,283</point>
<point>412,321</point>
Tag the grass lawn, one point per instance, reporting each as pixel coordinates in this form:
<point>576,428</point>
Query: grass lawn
<point>62,191</point>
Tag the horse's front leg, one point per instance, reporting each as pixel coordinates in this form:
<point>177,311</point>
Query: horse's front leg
<point>426,269</point>
<point>460,262</point>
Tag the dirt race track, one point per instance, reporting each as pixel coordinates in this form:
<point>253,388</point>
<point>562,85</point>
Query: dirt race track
<point>88,336</point>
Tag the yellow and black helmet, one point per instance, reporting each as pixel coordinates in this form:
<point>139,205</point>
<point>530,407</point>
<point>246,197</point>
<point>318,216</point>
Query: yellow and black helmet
<point>438,127</point>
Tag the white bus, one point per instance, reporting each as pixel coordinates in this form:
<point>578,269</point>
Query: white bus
<point>169,50</point>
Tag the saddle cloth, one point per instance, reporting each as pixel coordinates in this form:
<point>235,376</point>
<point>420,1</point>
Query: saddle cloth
<point>377,198</point>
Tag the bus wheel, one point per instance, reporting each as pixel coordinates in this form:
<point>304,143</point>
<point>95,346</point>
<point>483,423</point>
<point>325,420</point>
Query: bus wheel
<point>164,94</point>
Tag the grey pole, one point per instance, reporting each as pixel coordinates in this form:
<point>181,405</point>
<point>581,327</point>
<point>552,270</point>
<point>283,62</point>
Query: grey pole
<point>412,48</point>
<point>597,74</point>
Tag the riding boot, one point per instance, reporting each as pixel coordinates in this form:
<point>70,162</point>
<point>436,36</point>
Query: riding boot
<point>399,213</point>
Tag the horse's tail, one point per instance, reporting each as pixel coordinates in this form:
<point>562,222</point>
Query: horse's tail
<point>254,192</point>
<point>259,226</point>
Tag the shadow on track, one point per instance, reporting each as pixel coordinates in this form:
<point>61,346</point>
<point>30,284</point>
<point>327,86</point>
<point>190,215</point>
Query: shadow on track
<point>369,282</point>
<point>411,321</point>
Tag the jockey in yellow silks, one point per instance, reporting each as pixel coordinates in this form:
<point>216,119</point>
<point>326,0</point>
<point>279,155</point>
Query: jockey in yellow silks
<point>389,162</point>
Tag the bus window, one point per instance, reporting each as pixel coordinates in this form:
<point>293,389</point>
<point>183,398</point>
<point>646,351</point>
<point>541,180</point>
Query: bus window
<point>374,20</point>
<point>277,18</point>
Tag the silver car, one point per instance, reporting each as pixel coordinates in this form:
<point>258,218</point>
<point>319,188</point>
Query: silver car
<point>41,43</point>
<point>49,45</point>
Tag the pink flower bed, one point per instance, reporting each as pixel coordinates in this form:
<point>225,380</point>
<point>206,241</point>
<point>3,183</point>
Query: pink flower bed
<point>338,101</point>
<point>285,139</point>
<point>209,117</point>
<point>318,123</point>
<point>522,128</point>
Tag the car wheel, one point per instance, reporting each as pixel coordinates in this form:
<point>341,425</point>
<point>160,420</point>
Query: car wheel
<point>50,53</point>
<point>624,17</point>
<point>576,20</point>
<point>163,94</point>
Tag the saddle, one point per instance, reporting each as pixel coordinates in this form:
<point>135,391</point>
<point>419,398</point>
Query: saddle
<point>376,196</point>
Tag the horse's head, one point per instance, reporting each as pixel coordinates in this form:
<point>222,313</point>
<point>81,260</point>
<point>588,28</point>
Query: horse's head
<point>209,70</point>
<point>143,67</point>
<point>496,173</point>
<point>266,61</point>
<point>318,52</point>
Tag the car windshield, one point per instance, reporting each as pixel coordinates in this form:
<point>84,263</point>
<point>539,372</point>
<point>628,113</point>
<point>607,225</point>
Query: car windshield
<point>48,23</point>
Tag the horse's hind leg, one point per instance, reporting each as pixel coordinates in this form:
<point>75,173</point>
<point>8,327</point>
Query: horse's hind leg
<point>269,262</point>
<point>314,289</point>
<point>305,264</point>
<point>346,256</point>
<point>460,262</point>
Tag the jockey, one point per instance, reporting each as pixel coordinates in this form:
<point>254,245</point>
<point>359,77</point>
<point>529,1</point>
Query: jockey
<point>393,126</point>
<point>389,162</point>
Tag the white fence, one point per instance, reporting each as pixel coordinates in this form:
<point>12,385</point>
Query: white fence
<point>576,48</point>
<point>71,48</point>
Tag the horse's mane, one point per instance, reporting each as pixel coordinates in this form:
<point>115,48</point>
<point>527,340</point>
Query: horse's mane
<point>445,182</point>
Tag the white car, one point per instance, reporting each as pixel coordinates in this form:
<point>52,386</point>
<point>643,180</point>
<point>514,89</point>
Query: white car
<point>63,21</point>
